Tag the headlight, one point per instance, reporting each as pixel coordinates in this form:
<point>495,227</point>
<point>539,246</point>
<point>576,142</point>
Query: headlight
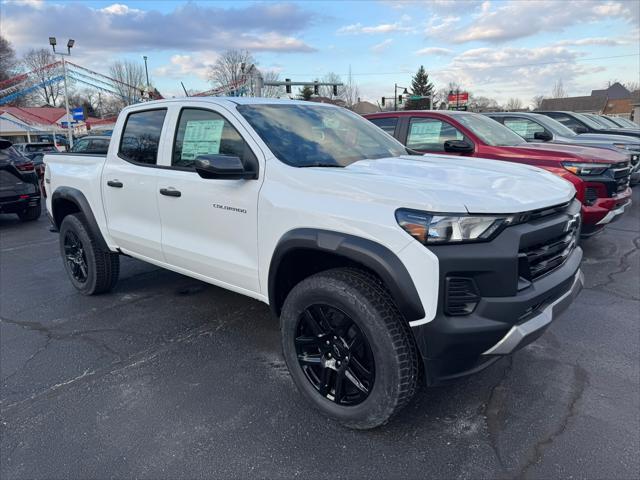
<point>586,168</point>
<point>628,146</point>
<point>433,228</point>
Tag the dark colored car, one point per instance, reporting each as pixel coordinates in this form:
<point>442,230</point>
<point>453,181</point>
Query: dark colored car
<point>600,176</point>
<point>536,128</point>
<point>582,124</point>
<point>35,151</point>
<point>94,144</point>
<point>19,185</point>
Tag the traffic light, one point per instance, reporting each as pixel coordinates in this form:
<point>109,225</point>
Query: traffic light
<point>335,90</point>
<point>287,87</point>
<point>383,101</point>
<point>399,98</point>
<point>315,88</point>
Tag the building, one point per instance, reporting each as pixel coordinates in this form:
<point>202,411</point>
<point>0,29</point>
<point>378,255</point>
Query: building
<point>585,104</point>
<point>30,124</point>
<point>615,91</point>
<point>364,107</point>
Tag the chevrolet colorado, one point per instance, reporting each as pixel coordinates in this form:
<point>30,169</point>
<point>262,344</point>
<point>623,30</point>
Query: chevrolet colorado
<point>384,268</point>
<point>601,177</point>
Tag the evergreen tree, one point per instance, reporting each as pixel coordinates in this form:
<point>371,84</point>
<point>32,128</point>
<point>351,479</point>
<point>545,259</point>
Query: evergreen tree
<point>305,93</point>
<point>420,85</point>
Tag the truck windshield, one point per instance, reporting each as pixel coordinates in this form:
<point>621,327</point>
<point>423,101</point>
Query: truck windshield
<point>319,136</point>
<point>587,121</point>
<point>490,132</point>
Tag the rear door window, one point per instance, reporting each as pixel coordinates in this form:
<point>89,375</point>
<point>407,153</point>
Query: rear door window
<point>524,127</point>
<point>429,134</point>
<point>566,120</point>
<point>388,124</point>
<point>141,137</point>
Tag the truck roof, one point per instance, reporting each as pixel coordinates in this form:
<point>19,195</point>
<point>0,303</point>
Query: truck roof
<point>235,100</point>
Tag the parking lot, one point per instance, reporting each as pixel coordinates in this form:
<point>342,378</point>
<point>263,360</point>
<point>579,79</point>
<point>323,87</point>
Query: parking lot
<point>169,377</point>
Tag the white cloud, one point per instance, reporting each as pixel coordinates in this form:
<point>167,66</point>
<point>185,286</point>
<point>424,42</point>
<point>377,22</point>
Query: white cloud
<point>382,46</point>
<point>437,51</point>
<point>119,9</point>
<point>190,27</point>
<point>606,41</point>
<point>181,66</point>
<point>358,28</point>
<point>518,19</point>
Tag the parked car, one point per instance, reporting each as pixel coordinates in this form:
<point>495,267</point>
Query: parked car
<point>536,128</point>
<point>582,124</point>
<point>35,151</point>
<point>601,177</point>
<point>374,260</point>
<point>624,122</point>
<point>19,190</point>
<point>92,144</point>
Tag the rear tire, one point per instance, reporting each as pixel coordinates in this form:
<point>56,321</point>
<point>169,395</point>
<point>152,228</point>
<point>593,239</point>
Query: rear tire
<point>345,301</point>
<point>91,269</point>
<point>30,214</point>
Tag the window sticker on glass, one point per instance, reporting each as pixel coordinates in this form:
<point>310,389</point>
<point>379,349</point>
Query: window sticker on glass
<point>518,126</point>
<point>425,132</point>
<point>201,137</point>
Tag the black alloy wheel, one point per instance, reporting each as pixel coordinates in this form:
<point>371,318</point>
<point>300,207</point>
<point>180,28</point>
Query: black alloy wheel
<point>334,355</point>
<point>75,256</point>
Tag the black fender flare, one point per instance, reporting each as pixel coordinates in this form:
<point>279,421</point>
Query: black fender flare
<point>368,253</point>
<point>76,197</point>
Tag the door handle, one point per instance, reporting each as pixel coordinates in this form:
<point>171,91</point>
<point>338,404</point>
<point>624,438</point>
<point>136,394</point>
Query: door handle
<point>170,192</point>
<point>115,183</point>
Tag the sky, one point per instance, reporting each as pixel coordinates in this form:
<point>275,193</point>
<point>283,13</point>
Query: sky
<point>498,49</point>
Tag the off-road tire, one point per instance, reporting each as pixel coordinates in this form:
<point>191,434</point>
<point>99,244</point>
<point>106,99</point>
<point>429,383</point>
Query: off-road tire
<point>103,266</point>
<point>363,297</point>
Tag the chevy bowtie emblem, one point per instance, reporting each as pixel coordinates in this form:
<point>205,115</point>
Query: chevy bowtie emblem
<point>573,223</point>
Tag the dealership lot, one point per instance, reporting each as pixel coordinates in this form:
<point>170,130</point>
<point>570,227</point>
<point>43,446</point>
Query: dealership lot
<point>167,376</point>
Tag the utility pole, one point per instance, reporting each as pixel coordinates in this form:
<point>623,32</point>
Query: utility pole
<point>70,43</point>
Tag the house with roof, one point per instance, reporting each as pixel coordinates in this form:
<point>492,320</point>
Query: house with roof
<point>615,91</point>
<point>27,124</point>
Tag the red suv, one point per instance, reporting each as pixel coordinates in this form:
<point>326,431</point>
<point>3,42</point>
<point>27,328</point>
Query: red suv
<point>600,176</point>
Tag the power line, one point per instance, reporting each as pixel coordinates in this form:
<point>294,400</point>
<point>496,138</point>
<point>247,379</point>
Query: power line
<point>480,67</point>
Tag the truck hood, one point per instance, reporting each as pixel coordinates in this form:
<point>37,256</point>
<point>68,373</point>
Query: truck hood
<point>441,183</point>
<point>601,138</point>
<point>566,153</point>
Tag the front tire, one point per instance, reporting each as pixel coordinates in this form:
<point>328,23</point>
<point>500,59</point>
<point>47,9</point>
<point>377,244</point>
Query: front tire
<point>91,269</point>
<point>349,350</point>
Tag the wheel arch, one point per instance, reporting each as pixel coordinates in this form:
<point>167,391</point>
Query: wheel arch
<point>303,252</point>
<point>67,201</point>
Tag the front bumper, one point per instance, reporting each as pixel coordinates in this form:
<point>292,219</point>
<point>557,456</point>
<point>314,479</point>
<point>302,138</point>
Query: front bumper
<point>605,210</point>
<point>511,310</point>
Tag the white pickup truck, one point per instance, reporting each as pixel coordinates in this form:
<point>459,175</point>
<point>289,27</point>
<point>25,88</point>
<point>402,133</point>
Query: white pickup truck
<point>384,267</point>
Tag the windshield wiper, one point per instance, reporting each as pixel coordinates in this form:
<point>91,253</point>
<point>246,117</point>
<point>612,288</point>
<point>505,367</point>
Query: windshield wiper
<point>321,164</point>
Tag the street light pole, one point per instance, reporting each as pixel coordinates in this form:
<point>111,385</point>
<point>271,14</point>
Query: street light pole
<point>70,43</point>
<point>146,71</point>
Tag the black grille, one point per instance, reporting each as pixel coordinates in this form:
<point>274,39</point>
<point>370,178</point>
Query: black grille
<point>540,259</point>
<point>621,174</point>
<point>462,296</point>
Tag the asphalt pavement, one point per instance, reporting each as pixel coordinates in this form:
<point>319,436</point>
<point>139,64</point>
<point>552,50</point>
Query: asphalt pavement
<point>168,377</point>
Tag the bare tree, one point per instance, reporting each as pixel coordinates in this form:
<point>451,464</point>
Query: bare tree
<point>482,104</point>
<point>632,86</point>
<point>558,90</point>
<point>38,62</point>
<point>350,91</point>
<point>8,62</point>
<point>327,90</point>
<point>537,101</point>
<point>513,104</point>
<point>129,79</point>
<point>271,91</point>
<point>231,68</point>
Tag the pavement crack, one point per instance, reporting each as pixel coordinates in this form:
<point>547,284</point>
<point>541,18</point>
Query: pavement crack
<point>494,407</point>
<point>622,267</point>
<point>580,383</point>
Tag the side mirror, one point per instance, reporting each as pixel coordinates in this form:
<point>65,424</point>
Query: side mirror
<point>458,146</point>
<point>544,136</point>
<point>225,167</point>
<point>581,129</point>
